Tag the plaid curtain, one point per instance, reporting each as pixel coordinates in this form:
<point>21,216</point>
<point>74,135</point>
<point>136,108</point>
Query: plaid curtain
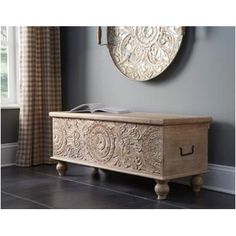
<point>40,93</point>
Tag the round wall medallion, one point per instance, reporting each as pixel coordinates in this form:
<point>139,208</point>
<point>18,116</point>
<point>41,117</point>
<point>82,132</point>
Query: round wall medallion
<point>142,53</point>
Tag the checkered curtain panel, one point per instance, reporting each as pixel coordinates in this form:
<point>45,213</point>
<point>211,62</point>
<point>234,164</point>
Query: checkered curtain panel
<point>40,93</point>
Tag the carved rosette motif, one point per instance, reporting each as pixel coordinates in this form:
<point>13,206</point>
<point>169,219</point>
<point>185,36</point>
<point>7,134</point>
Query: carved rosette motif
<point>118,145</point>
<point>142,53</point>
<point>100,142</point>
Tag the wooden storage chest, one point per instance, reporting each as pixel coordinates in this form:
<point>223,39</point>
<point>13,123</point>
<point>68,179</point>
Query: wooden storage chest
<point>158,146</point>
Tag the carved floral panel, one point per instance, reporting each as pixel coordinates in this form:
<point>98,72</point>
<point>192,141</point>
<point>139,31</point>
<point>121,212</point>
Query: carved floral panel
<point>142,53</point>
<point>113,144</point>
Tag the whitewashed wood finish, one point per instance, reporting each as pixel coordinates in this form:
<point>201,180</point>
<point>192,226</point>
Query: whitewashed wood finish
<point>162,189</point>
<point>143,52</point>
<point>133,147</point>
<point>196,182</point>
<point>162,152</point>
<point>185,137</point>
<point>137,117</point>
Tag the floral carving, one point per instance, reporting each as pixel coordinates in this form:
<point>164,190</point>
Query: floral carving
<point>118,145</point>
<point>59,138</point>
<point>152,148</point>
<point>142,53</point>
<point>100,142</point>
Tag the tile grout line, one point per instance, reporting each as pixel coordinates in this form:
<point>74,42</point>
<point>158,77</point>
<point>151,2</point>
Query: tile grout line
<point>26,199</point>
<point>111,190</point>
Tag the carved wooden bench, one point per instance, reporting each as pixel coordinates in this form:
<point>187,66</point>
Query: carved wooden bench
<point>158,146</point>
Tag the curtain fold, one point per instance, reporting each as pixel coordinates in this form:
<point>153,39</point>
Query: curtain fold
<point>40,93</point>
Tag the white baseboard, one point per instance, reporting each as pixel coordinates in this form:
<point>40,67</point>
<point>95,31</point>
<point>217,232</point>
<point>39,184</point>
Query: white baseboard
<point>218,178</point>
<point>8,154</point>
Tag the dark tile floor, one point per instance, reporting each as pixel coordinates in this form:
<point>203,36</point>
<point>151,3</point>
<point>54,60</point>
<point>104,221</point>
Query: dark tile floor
<point>40,188</point>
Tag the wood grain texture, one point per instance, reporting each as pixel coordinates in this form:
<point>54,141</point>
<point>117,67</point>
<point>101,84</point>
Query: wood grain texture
<point>136,117</point>
<point>185,137</point>
<point>159,151</point>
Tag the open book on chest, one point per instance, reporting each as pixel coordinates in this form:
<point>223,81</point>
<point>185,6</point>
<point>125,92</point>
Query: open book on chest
<point>97,107</point>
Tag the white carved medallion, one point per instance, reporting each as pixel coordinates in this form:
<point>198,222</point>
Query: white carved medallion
<point>142,53</point>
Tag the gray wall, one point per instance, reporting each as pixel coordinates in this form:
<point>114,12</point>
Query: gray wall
<point>9,125</point>
<point>200,81</point>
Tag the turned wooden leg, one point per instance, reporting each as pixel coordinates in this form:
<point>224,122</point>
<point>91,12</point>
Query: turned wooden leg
<point>162,189</point>
<point>196,182</point>
<point>95,171</point>
<point>61,168</point>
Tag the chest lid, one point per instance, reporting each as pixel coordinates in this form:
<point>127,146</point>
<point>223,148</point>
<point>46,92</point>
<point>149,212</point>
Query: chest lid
<point>136,117</point>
